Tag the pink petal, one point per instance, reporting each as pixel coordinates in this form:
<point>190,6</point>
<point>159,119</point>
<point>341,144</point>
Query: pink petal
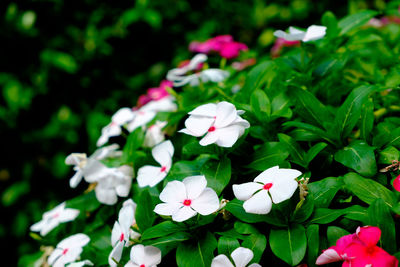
<point>370,235</point>
<point>396,183</point>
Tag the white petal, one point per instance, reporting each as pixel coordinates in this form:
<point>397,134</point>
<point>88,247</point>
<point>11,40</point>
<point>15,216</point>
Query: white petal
<point>226,114</point>
<point>296,35</point>
<point>228,136</point>
<point>210,138</point>
<point>328,256</point>
<point>122,116</point>
<point>163,153</point>
<point>209,110</point>
<point>242,256</point>
<point>37,226</point>
<point>157,179</point>
<point>75,158</point>
<point>131,264</point>
<point>71,255</point>
<point>80,263</point>
<point>123,186</point>
<point>116,253</point>
<point>196,60</point>
<point>198,125</point>
<point>116,234</point>
<point>268,175</point>
<point>187,131</point>
<point>94,170</point>
<point>141,118</point>
<point>221,261</point>
<point>282,190</point>
<point>254,265</point>
<point>76,179</point>
<point>125,218</point>
<point>314,32</point>
<point>152,256</point>
<point>174,192</point>
<point>183,214</point>
<point>68,215</point>
<point>195,185</point>
<point>206,203</point>
<point>106,195</point>
<point>164,104</point>
<point>56,254</point>
<point>213,75</point>
<point>246,190</point>
<point>77,240</point>
<point>48,226</point>
<point>167,209</point>
<point>260,203</point>
<point>293,30</point>
<point>147,175</point>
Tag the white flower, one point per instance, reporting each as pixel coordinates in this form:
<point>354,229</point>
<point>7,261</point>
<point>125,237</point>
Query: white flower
<point>111,183</point>
<point>184,200</point>
<point>147,112</point>
<point>80,263</point>
<point>179,78</point>
<point>144,256</point>
<point>154,134</point>
<point>152,175</point>
<point>121,117</point>
<point>273,183</point>
<point>314,32</point>
<point>122,231</point>
<point>53,218</point>
<point>88,167</point>
<point>240,256</point>
<point>221,122</point>
<point>68,250</point>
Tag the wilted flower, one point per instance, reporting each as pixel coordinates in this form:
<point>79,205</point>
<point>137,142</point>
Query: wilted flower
<point>68,250</point>
<point>179,78</point>
<point>53,218</point>
<point>220,123</point>
<point>240,256</point>
<point>154,134</point>
<point>185,199</point>
<point>144,256</point>
<point>122,231</point>
<point>359,249</point>
<point>272,185</point>
<point>152,175</point>
<point>314,32</point>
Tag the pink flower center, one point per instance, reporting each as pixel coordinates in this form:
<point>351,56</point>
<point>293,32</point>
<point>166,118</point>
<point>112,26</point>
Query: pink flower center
<point>163,169</point>
<point>121,238</point>
<point>187,202</point>
<point>267,186</point>
<point>65,251</point>
<point>211,129</point>
<point>56,215</point>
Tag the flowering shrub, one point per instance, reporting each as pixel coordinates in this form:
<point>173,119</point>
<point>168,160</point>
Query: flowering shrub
<point>222,166</point>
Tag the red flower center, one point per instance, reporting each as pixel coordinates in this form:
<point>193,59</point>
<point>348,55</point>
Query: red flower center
<point>187,202</point>
<point>65,251</point>
<point>163,169</point>
<point>267,186</point>
<point>121,238</point>
<point>370,250</point>
<point>142,265</point>
<point>211,129</point>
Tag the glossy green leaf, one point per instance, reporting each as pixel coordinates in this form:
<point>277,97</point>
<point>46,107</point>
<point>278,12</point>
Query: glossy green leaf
<point>226,245</point>
<point>268,155</point>
<point>355,20</point>
<point>314,151</point>
<point>367,120</point>
<point>198,253</point>
<point>144,214</point>
<point>324,191</point>
<point>161,229</point>
<point>312,233</point>
<point>260,105</point>
<point>218,174</point>
<point>334,233</point>
<point>295,151</point>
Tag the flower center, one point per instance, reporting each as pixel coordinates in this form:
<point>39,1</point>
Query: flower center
<point>267,186</point>
<point>121,238</point>
<point>65,251</point>
<point>211,129</point>
<point>187,202</point>
<point>370,250</point>
<point>163,169</point>
<point>56,215</point>
<point>142,265</point>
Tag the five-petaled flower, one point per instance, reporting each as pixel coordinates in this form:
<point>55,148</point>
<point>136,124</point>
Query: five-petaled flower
<point>122,232</point>
<point>179,78</point>
<point>53,218</point>
<point>185,199</point>
<point>273,185</point>
<point>240,256</point>
<point>154,134</point>
<point>314,32</point>
<point>220,123</point>
<point>68,250</point>
<point>359,249</point>
<point>144,256</point>
<point>152,175</point>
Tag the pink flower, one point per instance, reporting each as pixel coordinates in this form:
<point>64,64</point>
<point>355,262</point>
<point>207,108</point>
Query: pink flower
<point>396,183</point>
<point>241,65</point>
<point>280,43</point>
<point>155,93</point>
<point>223,44</point>
<point>359,250</point>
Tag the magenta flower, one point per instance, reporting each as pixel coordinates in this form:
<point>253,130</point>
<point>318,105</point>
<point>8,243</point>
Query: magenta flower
<point>155,93</point>
<point>396,183</point>
<point>222,44</point>
<point>358,250</point>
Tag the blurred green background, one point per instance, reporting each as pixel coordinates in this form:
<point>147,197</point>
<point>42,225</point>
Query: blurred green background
<point>67,66</point>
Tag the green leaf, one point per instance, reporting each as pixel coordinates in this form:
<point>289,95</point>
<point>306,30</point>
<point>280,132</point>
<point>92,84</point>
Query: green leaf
<point>314,151</point>
<point>289,244</point>
<point>86,202</point>
<point>358,156</point>
<point>310,108</point>
<point>380,216</point>
<point>236,208</point>
<point>358,213</point>
<point>325,190</point>
<point>134,141</point>
<point>268,155</point>
<point>60,60</point>
<point>144,214</point>
<point>169,242</point>
<point>296,153</point>
<point>226,245</point>
<point>394,138</point>
<point>324,215</point>
<point>260,105</point>
<point>281,107</point>
<point>183,169</point>
<point>312,233</point>
<point>388,155</point>
<point>314,130</point>
<point>257,243</point>
<point>367,120</point>
<point>303,213</point>
<point>355,20</point>
<point>218,174</point>
<point>334,233</point>
<point>330,22</point>
<point>368,190</point>
<point>161,229</point>
<point>199,253</point>
<point>349,113</point>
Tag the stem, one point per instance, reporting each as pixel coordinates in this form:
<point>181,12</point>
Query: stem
<point>222,63</point>
<point>223,94</point>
